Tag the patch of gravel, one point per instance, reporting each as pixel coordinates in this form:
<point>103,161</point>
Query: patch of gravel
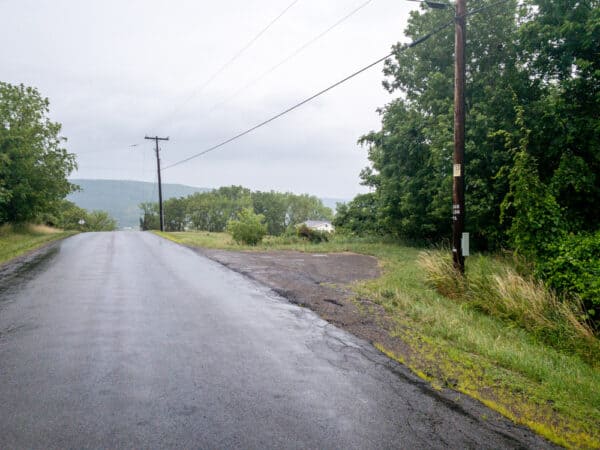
<point>318,281</point>
<point>322,283</point>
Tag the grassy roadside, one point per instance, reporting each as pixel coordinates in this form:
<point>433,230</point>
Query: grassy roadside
<point>449,344</point>
<point>18,241</point>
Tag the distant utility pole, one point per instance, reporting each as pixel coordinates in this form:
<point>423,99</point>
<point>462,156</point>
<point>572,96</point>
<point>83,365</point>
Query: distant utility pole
<point>160,203</point>
<point>458,184</point>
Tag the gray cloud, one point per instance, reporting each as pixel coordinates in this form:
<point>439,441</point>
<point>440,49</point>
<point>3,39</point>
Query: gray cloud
<point>115,71</point>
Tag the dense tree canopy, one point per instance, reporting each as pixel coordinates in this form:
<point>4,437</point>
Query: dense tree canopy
<point>533,71</point>
<point>532,137</point>
<point>33,165</point>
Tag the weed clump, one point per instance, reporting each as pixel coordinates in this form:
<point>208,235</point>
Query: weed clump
<point>498,290</point>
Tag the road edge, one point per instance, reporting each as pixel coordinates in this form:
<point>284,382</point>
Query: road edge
<point>489,417</point>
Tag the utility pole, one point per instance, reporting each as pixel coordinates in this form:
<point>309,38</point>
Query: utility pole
<point>160,205</point>
<point>458,184</point>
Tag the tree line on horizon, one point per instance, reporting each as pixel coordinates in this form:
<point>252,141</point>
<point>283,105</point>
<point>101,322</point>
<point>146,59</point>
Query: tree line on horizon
<point>212,210</point>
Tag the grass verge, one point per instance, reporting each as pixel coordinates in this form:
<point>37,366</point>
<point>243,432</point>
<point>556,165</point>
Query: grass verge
<point>16,241</point>
<point>454,344</point>
<point>494,287</point>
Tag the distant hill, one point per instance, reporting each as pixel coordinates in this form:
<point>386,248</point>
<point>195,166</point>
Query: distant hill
<point>120,198</point>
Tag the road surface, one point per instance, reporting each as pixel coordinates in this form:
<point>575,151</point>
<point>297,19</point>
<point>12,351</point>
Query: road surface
<point>126,340</point>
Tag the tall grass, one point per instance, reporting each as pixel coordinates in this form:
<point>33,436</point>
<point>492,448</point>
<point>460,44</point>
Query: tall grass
<point>27,229</point>
<point>18,239</point>
<point>496,288</point>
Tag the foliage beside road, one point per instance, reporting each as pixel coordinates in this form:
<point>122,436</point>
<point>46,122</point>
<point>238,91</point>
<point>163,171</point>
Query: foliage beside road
<point>532,140</point>
<point>248,228</point>
<point>34,166</point>
<point>16,241</point>
<point>459,345</point>
<point>71,217</point>
<point>497,289</point>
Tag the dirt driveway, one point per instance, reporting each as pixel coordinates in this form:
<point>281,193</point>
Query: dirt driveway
<point>321,282</point>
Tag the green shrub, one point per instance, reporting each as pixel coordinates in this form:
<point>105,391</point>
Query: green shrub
<point>249,228</point>
<point>536,215</point>
<point>311,235</point>
<point>571,265</point>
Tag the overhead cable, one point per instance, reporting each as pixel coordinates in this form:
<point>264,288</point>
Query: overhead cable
<point>312,97</point>
<point>334,85</point>
<point>289,57</point>
<point>229,62</point>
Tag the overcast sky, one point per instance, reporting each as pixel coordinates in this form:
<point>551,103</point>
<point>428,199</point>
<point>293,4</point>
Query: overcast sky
<point>115,71</point>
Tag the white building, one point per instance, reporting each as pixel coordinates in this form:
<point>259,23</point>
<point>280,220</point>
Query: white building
<point>319,225</point>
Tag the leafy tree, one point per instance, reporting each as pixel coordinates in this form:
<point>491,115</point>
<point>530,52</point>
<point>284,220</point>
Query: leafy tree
<point>234,193</point>
<point>571,265</point>
<point>210,211</point>
<point>543,59</point>
<point>198,208</point>
<point>99,221</point>
<point>249,228</point>
<point>360,216</point>
<point>149,219</point>
<point>68,216</point>
<point>175,214</point>
<point>560,43</point>
<point>33,165</point>
<point>274,206</point>
<point>536,219</point>
<point>411,156</point>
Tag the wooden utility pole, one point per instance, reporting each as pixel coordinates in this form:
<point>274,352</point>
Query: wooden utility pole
<point>160,202</point>
<point>458,185</point>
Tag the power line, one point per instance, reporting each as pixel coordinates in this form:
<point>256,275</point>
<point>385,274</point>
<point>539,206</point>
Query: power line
<point>230,61</point>
<point>323,91</point>
<point>290,56</point>
<point>303,102</point>
<point>252,41</point>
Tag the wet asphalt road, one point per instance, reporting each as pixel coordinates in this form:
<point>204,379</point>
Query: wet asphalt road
<point>125,340</point>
